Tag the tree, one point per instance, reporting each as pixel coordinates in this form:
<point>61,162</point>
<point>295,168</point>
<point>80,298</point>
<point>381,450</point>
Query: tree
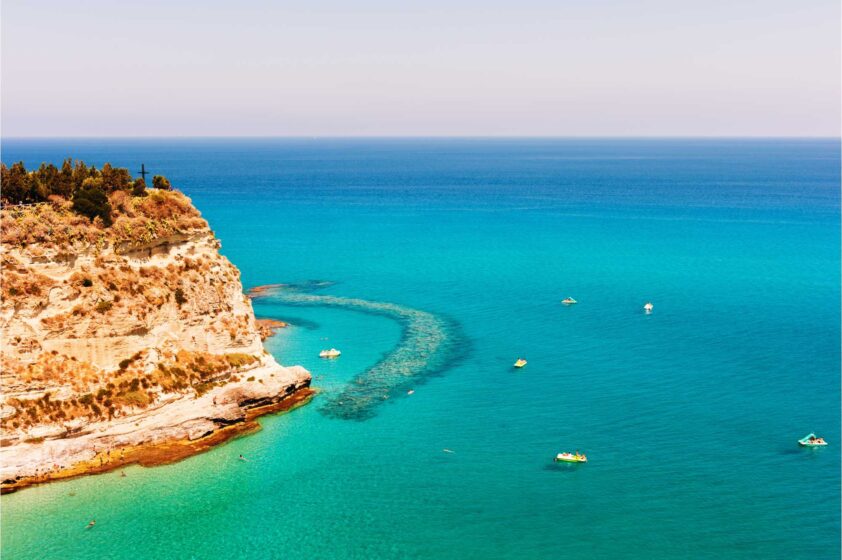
<point>115,178</point>
<point>38,189</point>
<point>161,182</point>
<point>4,179</point>
<point>139,187</point>
<point>91,201</point>
<point>47,176</point>
<point>15,187</point>
<point>64,182</point>
<point>80,173</point>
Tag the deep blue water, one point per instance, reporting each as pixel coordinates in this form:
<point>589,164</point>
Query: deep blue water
<point>689,415</point>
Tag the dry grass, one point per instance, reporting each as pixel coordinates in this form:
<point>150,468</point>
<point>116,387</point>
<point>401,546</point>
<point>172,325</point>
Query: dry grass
<point>137,221</point>
<point>99,394</point>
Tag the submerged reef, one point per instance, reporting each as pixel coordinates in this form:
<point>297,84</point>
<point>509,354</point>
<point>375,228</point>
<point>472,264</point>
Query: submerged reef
<point>429,345</point>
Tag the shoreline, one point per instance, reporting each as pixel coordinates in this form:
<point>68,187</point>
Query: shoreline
<point>164,452</point>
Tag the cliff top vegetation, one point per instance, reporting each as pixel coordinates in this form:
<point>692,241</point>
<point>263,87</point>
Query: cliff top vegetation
<point>79,204</point>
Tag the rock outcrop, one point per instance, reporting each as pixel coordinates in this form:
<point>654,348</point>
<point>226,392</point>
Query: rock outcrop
<point>122,337</point>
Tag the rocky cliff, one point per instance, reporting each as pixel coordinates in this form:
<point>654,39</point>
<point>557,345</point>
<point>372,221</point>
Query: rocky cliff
<point>118,337</point>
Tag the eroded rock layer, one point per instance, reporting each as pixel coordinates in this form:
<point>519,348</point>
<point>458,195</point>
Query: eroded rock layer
<point>134,334</point>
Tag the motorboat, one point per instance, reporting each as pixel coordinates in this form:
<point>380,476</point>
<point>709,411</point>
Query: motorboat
<point>520,363</point>
<point>648,307</point>
<point>332,353</point>
<point>567,457</point>
<point>569,301</point>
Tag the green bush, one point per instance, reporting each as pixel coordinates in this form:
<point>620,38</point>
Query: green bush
<point>139,188</point>
<point>161,182</point>
<point>91,201</point>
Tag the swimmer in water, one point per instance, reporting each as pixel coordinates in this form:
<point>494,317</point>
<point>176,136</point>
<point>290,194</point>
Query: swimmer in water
<point>91,524</point>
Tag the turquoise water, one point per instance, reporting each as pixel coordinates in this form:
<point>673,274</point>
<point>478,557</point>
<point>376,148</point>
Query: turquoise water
<point>461,251</point>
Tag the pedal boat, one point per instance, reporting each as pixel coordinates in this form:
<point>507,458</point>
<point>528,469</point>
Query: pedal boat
<point>520,363</point>
<point>810,440</point>
<point>571,458</point>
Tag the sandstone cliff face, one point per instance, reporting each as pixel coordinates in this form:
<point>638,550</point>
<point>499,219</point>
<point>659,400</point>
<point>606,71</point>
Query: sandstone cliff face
<point>123,340</point>
<point>130,304</point>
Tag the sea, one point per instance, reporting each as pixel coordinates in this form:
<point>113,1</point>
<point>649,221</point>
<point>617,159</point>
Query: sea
<point>433,264</point>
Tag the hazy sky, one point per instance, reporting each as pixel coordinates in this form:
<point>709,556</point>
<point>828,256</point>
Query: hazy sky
<point>385,68</point>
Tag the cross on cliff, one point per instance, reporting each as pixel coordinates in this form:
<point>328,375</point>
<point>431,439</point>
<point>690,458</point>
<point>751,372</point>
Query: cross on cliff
<point>143,172</point>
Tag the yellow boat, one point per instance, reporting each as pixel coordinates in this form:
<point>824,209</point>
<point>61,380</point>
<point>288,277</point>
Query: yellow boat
<point>520,363</point>
<point>571,458</point>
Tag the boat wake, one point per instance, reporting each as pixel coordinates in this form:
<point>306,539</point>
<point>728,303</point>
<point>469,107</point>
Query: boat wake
<point>428,347</point>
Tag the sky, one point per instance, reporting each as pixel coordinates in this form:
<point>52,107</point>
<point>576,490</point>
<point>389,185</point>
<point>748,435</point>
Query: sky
<point>431,68</point>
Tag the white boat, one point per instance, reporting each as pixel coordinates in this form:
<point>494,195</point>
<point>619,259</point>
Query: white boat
<point>332,353</point>
<point>810,440</point>
<point>569,301</point>
<point>571,457</point>
<point>520,363</point>
<point>648,307</point>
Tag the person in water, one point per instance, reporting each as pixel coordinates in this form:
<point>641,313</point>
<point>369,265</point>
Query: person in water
<point>242,458</point>
<point>91,524</point>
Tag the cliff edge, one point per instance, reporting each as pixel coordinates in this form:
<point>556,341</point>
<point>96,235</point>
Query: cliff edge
<point>119,337</point>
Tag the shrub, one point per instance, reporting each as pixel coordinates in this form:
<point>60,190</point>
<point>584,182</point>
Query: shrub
<point>104,305</point>
<point>180,298</point>
<point>91,201</point>
<point>161,182</point>
<point>125,363</point>
<point>202,388</point>
<point>87,282</point>
<point>133,398</point>
<point>139,188</point>
<point>238,360</point>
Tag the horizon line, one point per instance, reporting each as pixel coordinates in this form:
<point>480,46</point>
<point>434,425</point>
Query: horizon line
<point>425,137</point>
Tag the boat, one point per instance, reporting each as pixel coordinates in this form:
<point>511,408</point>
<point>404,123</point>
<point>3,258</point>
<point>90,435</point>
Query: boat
<point>569,301</point>
<point>332,353</point>
<point>810,440</point>
<point>648,307</point>
<point>571,458</point>
<point>520,363</point>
